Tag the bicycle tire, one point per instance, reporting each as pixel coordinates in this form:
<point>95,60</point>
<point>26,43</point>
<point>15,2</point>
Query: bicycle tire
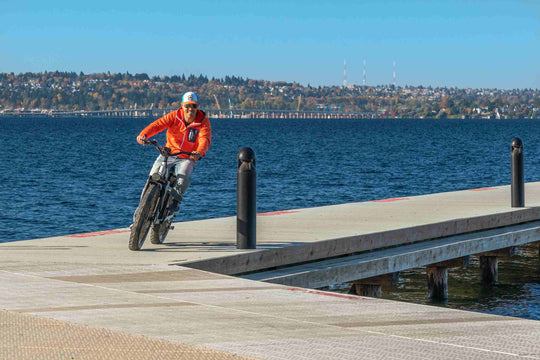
<point>159,231</point>
<point>143,217</point>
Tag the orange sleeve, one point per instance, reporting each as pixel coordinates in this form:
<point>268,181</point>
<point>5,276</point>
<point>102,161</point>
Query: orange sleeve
<point>205,137</point>
<point>159,125</point>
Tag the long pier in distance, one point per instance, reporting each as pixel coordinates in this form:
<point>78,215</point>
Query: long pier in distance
<point>324,113</point>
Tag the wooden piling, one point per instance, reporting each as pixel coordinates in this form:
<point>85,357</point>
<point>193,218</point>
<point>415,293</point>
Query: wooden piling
<point>489,269</point>
<point>371,290</point>
<point>437,278</point>
<point>372,287</point>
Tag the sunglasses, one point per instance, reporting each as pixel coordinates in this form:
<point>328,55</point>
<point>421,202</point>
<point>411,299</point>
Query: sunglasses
<point>190,106</point>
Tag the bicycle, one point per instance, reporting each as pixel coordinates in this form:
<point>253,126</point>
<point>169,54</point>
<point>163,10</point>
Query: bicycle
<point>154,212</point>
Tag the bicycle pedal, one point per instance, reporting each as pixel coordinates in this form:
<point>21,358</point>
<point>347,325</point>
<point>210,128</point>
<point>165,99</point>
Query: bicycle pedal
<point>171,227</point>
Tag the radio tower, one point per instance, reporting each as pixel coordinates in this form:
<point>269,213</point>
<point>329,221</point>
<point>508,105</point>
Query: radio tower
<point>394,80</point>
<point>364,80</point>
<point>344,73</point>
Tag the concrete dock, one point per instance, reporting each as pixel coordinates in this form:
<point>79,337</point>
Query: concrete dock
<point>86,296</point>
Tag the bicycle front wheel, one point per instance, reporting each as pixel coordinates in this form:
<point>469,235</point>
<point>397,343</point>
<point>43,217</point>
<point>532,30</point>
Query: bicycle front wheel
<point>143,217</point>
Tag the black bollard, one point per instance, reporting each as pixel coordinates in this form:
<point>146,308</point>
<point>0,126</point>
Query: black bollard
<point>518,192</point>
<point>246,200</point>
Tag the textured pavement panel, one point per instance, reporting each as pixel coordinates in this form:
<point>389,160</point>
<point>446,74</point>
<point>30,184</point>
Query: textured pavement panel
<point>25,336</point>
<point>280,322</point>
<point>371,346</point>
<point>175,275</point>
<point>510,335</point>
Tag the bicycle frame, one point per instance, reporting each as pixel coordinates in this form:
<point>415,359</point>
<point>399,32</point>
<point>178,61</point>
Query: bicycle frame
<point>165,180</point>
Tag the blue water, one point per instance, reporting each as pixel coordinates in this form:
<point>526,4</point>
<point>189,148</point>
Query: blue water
<point>66,176</point>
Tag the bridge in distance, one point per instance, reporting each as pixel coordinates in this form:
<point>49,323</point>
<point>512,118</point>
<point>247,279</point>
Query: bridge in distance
<point>211,113</point>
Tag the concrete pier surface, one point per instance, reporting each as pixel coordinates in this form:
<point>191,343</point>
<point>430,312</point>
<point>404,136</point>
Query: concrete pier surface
<point>86,296</point>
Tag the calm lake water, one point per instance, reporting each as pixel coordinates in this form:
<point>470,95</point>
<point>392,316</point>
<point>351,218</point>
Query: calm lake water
<point>66,176</point>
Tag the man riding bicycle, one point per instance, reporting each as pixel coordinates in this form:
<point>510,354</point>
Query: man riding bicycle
<point>188,129</point>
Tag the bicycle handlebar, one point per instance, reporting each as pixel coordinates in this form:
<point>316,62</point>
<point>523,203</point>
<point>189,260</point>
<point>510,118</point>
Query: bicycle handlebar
<point>164,150</point>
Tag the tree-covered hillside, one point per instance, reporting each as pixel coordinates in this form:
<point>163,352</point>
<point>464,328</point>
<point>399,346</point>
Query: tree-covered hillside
<point>106,91</point>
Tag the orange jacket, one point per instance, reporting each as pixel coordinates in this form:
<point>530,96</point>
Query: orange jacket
<point>195,137</point>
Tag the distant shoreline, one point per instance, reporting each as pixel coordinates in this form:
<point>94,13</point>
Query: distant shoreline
<point>231,114</point>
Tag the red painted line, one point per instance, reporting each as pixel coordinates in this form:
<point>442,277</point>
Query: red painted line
<point>350,297</point>
<point>98,233</point>
<point>482,189</point>
<point>278,212</point>
<point>390,200</point>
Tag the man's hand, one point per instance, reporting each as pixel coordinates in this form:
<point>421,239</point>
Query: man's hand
<point>141,139</point>
<point>195,156</point>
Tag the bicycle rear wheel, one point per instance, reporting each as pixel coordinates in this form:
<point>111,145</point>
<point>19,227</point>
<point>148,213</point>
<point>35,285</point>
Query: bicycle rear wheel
<point>143,217</point>
<point>159,231</point>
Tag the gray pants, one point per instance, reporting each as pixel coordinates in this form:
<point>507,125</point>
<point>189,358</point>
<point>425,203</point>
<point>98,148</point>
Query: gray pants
<point>183,168</point>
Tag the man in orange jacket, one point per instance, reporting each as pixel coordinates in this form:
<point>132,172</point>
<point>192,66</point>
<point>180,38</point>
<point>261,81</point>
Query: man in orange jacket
<point>188,129</point>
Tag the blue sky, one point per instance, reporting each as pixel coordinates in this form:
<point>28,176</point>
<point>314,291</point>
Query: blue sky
<point>479,44</point>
